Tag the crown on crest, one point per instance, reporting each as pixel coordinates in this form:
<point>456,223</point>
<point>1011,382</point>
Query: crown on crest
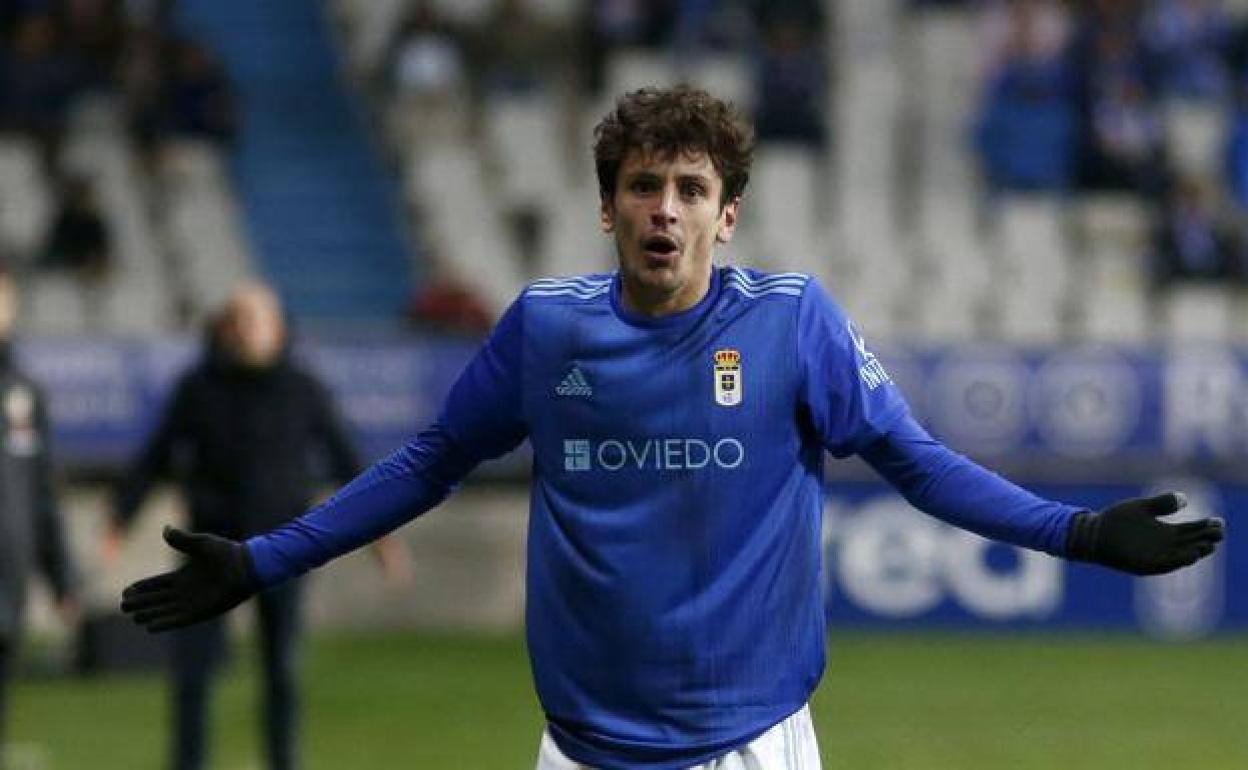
<point>727,357</point>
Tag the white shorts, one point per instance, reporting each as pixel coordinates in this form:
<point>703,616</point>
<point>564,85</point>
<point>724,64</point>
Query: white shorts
<point>790,745</point>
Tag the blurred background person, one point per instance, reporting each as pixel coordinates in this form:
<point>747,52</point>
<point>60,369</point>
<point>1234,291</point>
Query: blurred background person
<point>1025,129</point>
<point>1189,39</point>
<point>31,531</point>
<point>791,84</point>
<point>39,76</point>
<point>426,76</point>
<point>1122,139</point>
<point>1194,242</point>
<point>242,433</point>
<point>78,239</point>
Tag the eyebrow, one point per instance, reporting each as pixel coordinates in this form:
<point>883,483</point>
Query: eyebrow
<point>648,173</point>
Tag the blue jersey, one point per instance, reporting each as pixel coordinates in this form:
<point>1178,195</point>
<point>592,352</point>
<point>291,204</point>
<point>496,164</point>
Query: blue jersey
<point>674,609</point>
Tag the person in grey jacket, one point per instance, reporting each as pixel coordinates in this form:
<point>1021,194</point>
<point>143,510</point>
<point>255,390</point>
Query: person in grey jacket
<point>31,530</point>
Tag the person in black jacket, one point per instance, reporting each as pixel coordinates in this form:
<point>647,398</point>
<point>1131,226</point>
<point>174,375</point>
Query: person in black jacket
<point>31,530</point>
<point>241,435</point>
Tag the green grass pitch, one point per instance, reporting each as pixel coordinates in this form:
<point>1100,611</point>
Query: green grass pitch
<point>919,702</point>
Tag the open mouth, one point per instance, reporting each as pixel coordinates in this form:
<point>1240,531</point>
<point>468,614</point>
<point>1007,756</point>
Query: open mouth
<point>660,245</point>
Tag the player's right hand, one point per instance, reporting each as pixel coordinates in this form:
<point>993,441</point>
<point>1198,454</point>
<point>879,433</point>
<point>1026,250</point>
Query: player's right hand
<point>1128,536</point>
<point>215,578</point>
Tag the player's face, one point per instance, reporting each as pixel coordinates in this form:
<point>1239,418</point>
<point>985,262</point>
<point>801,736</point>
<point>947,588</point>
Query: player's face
<point>666,218</point>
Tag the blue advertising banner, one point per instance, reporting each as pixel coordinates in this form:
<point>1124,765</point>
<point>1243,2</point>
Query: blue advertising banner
<point>1187,403</point>
<point>1081,405</point>
<point>889,565</point>
<point>1099,408</point>
<point>105,395</point>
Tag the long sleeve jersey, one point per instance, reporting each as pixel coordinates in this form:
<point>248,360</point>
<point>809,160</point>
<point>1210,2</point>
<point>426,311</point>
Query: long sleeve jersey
<point>674,607</point>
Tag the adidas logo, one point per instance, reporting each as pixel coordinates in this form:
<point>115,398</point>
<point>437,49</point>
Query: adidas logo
<point>574,384</point>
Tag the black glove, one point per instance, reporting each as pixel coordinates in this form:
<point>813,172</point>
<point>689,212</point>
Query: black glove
<point>1127,536</point>
<point>216,577</point>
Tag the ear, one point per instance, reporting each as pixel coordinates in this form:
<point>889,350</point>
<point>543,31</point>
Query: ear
<point>606,216</point>
<point>728,220</point>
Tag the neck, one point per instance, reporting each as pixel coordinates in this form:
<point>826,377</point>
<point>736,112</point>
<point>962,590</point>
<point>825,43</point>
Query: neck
<point>656,303</point>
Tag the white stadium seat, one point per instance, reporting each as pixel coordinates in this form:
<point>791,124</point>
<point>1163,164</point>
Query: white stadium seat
<point>785,206</point>
<point>1199,313</point>
<point>1195,134</point>
<point>24,190</point>
<point>463,222</point>
<point>1112,233</point>
<point>523,136</point>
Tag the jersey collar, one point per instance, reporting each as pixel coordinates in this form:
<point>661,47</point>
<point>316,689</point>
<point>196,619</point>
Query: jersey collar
<point>684,317</point>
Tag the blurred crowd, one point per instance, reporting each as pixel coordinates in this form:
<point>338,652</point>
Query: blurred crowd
<point>58,50</point>
<point>1144,99</point>
<point>512,47</point>
<point>1082,96</point>
<point>1139,98</point>
<point>57,55</point>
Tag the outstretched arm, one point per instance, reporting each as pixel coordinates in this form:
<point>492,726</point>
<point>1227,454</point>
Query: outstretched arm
<point>483,418</point>
<point>220,573</point>
<point>1126,536</point>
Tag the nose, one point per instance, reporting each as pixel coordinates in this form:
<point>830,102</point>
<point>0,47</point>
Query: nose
<point>665,213</point>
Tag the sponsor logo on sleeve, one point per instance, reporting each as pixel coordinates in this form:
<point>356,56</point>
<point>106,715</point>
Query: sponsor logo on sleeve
<point>870,370</point>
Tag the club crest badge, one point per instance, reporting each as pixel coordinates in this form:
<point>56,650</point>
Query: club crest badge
<point>727,377</point>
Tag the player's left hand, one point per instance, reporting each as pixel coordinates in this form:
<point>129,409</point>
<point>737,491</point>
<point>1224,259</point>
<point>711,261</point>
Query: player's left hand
<point>1128,536</point>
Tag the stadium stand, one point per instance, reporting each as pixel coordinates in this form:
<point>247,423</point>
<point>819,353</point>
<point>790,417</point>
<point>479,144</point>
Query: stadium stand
<point>320,209</point>
<point>137,296</point>
<point>202,226</point>
<point>490,174</point>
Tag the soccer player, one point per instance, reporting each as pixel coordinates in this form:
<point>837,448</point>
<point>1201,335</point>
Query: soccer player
<point>679,413</point>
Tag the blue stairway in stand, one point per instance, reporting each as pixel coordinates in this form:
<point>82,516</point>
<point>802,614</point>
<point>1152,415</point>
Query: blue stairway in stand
<point>321,210</point>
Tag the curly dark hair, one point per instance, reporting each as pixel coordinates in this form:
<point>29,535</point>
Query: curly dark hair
<point>670,120</point>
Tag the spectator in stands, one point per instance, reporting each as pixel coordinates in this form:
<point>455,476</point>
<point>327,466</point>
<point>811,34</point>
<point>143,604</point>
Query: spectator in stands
<point>1192,241</point>
<point>141,75</point>
<point>791,85</point>
<point>806,13</point>
<point>518,52</point>
<point>1122,137</point>
<point>242,430</point>
<point>427,77</point>
<point>719,25</point>
<point>149,13</point>
<point>427,58</point>
<point>31,530</point>
<point>1189,39</point>
<point>79,239</point>
<point>199,98</point>
<point>1025,129</point>
<point>94,31</point>
<point>612,25</point>
<point>632,23</point>
<point>1048,30</point>
<point>38,78</point>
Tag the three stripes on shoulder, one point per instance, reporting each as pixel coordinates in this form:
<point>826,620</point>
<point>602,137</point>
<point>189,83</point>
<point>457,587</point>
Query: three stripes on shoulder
<point>589,287</point>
